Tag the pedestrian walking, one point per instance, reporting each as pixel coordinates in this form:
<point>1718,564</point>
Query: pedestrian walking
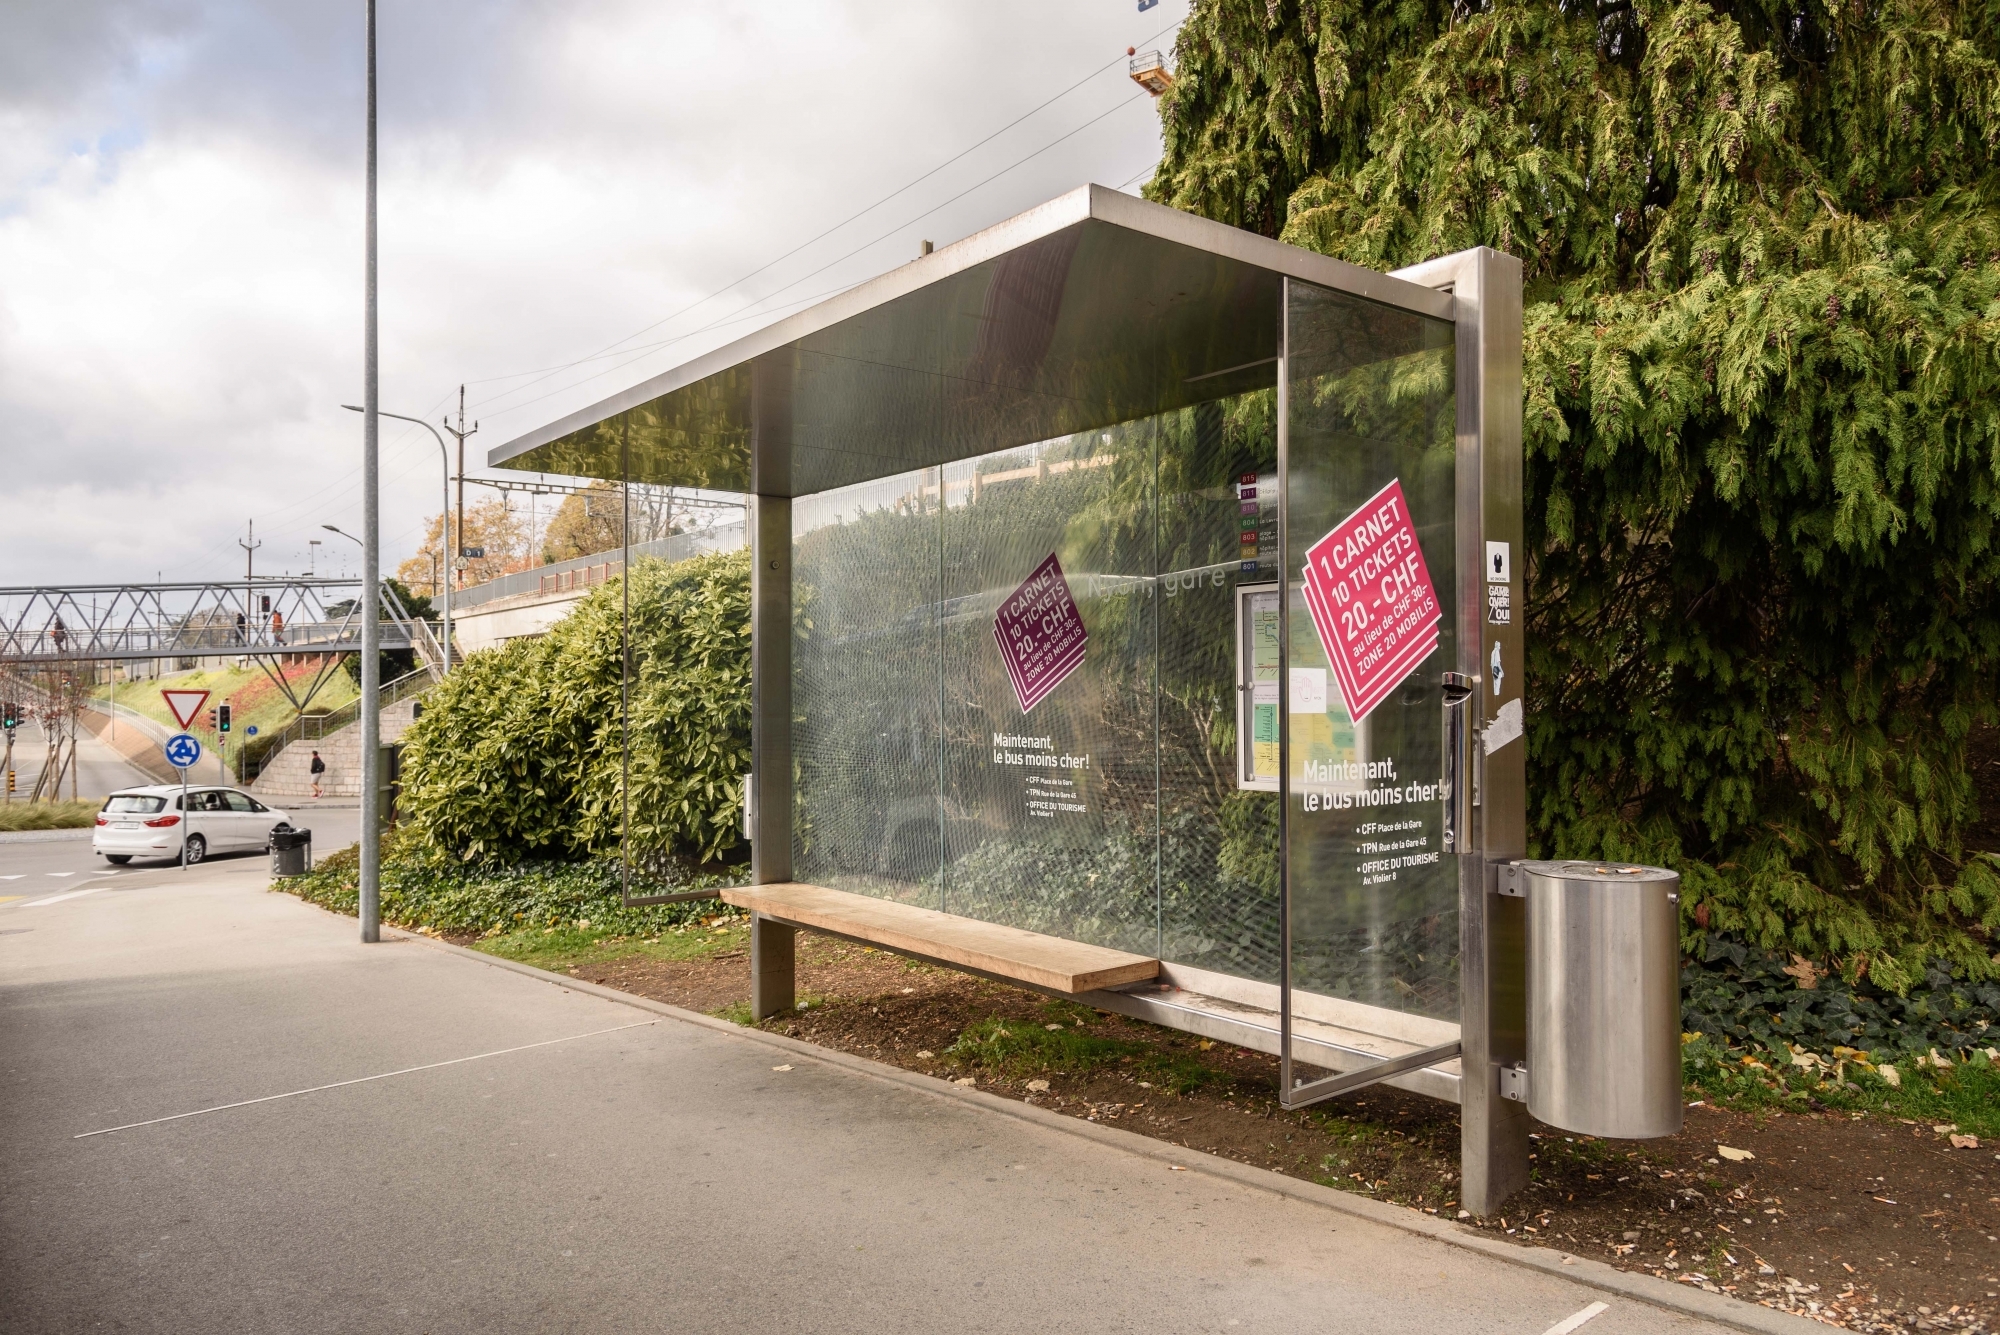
<point>318,773</point>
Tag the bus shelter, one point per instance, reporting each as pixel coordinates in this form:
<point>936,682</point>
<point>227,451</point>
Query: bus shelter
<point>1136,617</point>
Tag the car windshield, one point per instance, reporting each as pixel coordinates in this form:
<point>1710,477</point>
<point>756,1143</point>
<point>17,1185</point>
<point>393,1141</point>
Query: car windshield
<point>134,804</point>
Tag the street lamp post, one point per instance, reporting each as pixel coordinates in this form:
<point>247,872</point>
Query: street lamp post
<point>445,513</point>
<point>369,909</point>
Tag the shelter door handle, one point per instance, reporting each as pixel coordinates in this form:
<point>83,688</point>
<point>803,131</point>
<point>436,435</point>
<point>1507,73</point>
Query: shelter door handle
<point>1456,787</point>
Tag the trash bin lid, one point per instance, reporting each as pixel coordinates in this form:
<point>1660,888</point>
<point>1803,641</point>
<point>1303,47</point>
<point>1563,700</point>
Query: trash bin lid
<point>1615,873</point>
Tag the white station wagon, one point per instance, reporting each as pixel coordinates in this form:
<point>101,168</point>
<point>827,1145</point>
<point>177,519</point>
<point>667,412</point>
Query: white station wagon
<point>149,823</point>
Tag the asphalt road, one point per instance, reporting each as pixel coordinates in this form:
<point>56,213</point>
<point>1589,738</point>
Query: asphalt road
<point>539,1159</point>
<point>99,768</point>
<point>41,862</point>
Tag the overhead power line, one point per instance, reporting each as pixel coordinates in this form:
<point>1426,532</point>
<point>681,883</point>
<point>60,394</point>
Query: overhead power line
<point>900,190</point>
<point>334,495</point>
<point>1141,174</point>
<point>637,356</point>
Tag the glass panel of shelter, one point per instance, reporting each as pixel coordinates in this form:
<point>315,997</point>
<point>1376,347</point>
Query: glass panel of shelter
<point>634,781</point>
<point>868,810</point>
<point>1051,768</point>
<point>1369,479</point>
<point>1098,804</point>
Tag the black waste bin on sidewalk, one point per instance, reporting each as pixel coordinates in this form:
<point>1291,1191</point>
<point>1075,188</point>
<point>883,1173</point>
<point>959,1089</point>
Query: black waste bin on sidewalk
<point>291,852</point>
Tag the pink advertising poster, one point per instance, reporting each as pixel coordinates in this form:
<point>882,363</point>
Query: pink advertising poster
<point>1040,634</point>
<point>1371,600</point>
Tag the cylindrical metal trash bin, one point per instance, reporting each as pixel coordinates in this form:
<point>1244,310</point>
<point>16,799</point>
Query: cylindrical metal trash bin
<point>1604,997</point>
<point>291,852</point>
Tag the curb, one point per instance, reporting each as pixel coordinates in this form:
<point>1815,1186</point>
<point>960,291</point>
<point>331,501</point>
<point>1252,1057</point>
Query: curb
<point>1734,1313</point>
<point>60,834</point>
<point>155,878</point>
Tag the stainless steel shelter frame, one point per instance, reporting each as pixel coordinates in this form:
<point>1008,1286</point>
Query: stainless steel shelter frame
<point>1090,314</point>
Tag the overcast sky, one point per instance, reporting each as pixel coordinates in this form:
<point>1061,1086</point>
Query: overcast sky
<point>180,227</point>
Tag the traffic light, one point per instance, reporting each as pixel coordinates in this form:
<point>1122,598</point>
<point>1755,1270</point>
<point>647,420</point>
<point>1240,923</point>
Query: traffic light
<point>267,604</point>
<point>10,715</point>
<point>211,719</point>
<point>222,718</point>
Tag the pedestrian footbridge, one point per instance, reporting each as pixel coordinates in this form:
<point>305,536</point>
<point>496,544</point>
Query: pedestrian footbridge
<point>259,619</point>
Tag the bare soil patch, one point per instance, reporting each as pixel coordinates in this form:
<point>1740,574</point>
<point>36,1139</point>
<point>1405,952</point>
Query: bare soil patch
<point>1862,1222</point>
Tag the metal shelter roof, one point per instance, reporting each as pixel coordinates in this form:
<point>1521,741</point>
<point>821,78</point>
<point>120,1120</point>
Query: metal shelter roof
<point>1092,309</point>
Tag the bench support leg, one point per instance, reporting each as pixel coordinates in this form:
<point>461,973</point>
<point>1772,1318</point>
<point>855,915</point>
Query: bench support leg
<point>773,967</point>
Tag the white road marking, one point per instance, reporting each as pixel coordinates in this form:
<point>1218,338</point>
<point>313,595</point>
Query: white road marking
<point>362,1080</point>
<point>58,873</point>
<point>1570,1323</point>
<point>15,877</point>
<point>67,894</point>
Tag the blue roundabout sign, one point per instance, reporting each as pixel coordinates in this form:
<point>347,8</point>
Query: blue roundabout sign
<point>183,751</point>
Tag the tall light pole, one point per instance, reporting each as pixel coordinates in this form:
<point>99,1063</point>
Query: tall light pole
<point>444,516</point>
<point>371,541</point>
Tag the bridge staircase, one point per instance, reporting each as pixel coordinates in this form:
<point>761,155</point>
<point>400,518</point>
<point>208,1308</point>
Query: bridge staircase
<point>286,769</point>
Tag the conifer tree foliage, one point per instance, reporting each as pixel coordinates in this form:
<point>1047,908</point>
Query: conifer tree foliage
<point>1762,412</point>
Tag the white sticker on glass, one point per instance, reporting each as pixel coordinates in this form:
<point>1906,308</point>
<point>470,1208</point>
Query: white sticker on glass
<point>1505,727</point>
<point>1308,690</point>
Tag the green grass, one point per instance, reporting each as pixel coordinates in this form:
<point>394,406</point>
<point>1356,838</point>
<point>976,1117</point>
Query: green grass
<point>426,892</point>
<point>1058,1041</point>
<point>254,701</point>
<point>19,815</point>
<point>561,948</point>
<point>1966,1094</point>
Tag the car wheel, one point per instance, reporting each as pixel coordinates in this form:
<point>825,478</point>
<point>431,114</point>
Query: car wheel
<point>117,859</point>
<point>197,849</point>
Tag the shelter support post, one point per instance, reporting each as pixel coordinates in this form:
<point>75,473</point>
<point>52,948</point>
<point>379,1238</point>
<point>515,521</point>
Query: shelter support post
<point>1486,291</point>
<point>770,787</point>
<point>773,967</point>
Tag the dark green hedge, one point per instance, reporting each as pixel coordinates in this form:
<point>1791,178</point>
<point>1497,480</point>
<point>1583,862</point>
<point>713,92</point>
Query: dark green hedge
<point>517,755</point>
<point>1744,997</point>
<point>444,895</point>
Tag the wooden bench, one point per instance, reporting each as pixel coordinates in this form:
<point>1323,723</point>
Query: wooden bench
<point>1328,1033</point>
<point>1003,952</point>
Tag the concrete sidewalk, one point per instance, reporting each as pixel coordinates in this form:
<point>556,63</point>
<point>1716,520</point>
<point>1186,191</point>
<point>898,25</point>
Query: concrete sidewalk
<point>632,1172</point>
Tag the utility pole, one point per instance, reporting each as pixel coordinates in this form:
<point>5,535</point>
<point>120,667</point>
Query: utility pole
<point>370,907</point>
<point>249,579</point>
<point>458,548</point>
<point>250,554</point>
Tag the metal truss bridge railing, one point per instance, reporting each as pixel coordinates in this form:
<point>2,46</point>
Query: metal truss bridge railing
<point>266,617</point>
<point>261,620</point>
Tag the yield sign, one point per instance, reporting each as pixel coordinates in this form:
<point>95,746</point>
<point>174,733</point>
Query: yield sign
<point>185,704</point>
